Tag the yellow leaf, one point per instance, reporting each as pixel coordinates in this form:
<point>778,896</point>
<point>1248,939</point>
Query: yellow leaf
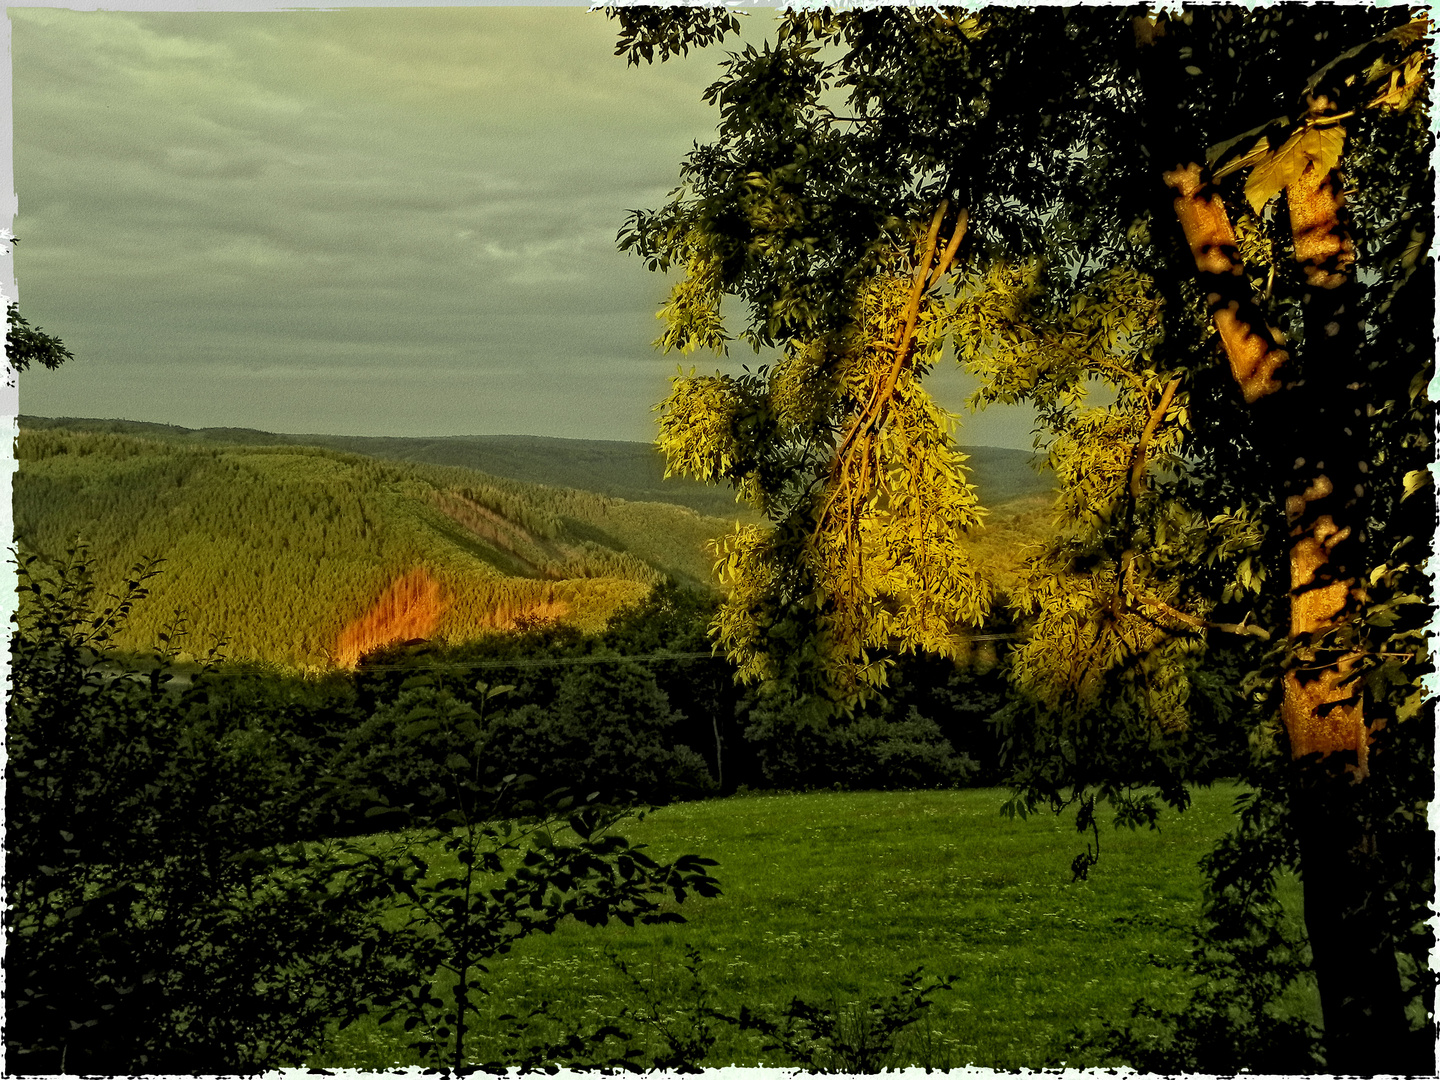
<point>1412,31</point>
<point>1255,154</point>
<point>1415,479</point>
<point>1275,172</point>
<point>1323,146</point>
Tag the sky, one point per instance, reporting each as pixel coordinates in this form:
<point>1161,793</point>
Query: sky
<point>369,221</point>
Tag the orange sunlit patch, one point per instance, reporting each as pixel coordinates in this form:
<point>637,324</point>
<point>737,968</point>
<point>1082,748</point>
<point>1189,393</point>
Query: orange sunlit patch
<point>1251,350</point>
<point>409,608</point>
<point>1322,245</point>
<point>1322,711</point>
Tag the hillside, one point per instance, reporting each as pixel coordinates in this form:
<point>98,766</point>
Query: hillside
<point>622,470</point>
<point>308,555</point>
<point>304,554</point>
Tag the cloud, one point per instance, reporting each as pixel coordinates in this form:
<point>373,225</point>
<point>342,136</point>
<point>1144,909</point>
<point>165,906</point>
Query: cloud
<point>211,200</point>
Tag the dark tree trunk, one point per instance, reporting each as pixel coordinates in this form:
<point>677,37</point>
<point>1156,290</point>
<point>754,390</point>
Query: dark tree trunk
<point>1366,1030</point>
<point>1310,431</point>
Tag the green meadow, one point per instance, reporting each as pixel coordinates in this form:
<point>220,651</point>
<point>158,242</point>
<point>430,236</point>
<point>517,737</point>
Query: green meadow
<point>832,897</point>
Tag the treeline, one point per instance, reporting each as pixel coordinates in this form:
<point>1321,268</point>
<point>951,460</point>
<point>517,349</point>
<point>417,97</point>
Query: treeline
<point>640,711</point>
<point>278,550</point>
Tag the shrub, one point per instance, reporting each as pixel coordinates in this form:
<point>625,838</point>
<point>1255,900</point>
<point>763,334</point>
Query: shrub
<point>154,921</point>
<point>160,918</point>
<point>608,730</point>
<point>799,742</point>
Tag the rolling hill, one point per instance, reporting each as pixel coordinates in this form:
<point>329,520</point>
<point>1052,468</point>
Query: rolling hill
<point>309,555</point>
<point>306,555</point>
<point>622,470</point>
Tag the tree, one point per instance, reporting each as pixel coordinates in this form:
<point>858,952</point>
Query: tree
<point>1084,200</point>
<point>26,344</point>
<point>169,906</point>
<point>158,916</point>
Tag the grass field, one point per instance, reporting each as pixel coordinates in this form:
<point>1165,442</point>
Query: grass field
<point>835,896</point>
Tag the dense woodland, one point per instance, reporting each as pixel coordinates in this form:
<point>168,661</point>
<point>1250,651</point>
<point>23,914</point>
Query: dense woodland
<point>281,552</point>
<point>277,550</point>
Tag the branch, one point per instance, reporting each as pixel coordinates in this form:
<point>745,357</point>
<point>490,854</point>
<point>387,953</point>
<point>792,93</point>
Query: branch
<point>860,434</point>
<point>1137,468</point>
<point>1221,151</point>
<point>1244,627</point>
<point>962,223</point>
<point>1137,476</point>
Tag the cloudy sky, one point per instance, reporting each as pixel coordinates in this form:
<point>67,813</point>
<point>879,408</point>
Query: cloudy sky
<point>370,221</point>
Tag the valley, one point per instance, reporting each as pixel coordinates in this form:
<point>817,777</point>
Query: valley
<point>310,553</point>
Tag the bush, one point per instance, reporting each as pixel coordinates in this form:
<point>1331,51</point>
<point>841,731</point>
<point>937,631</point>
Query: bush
<point>161,916</point>
<point>608,730</point>
<point>800,743</point>
<point>155,921</point>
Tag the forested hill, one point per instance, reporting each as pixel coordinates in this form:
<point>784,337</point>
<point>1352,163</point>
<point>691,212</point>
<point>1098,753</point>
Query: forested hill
<point>623,470</point>
<point>305,555</point>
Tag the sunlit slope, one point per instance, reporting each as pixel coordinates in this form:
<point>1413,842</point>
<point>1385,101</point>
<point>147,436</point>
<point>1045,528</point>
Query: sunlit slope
<point>285,551</point>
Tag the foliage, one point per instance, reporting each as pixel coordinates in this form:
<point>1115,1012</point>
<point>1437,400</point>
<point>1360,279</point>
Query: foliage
<point>158,918</point>
<point>678,1027</point>
<point>514,880</point>
<point>1232,399</point>
<point>281,548</point>
<point>799,743</point>
<point>592,719</point>
<point>603,728</point>
<point>608,729</point>
<point>864,1037</point>
<point>860,1038</point>
<point>672,33</point>
<point>169,909</point>
<point>26,344</point>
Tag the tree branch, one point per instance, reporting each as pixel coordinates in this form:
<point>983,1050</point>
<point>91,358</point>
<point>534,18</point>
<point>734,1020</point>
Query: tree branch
<point>1137,467</point>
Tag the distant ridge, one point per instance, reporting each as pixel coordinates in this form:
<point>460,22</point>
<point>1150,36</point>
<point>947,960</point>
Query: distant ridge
<point>624,470</point>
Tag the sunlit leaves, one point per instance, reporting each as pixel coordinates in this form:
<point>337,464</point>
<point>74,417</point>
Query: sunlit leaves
<point>692,311</point>
<point>1313,145</point>
<point>1082,634</point>
<point>866,554</point>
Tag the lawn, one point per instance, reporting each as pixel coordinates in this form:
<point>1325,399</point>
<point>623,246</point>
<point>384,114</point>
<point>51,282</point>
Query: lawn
<point>834,896</point>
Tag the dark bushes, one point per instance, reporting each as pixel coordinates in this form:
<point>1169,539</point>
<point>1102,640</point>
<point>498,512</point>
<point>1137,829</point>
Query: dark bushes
<point>606,729</point>
<point>799,743</point>
<point>162,916</point>
<point>153,923</point>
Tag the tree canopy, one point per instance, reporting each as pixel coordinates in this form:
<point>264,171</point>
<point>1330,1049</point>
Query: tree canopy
<point>26,344</point>
<point>1198,244</point>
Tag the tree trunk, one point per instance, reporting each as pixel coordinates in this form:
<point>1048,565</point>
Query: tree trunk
<point>1311,431</point>
<point>1366,1030</point>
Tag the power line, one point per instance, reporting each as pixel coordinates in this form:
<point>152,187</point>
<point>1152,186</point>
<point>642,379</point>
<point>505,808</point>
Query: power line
<point>553,661</point>
<point>544,662</point>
